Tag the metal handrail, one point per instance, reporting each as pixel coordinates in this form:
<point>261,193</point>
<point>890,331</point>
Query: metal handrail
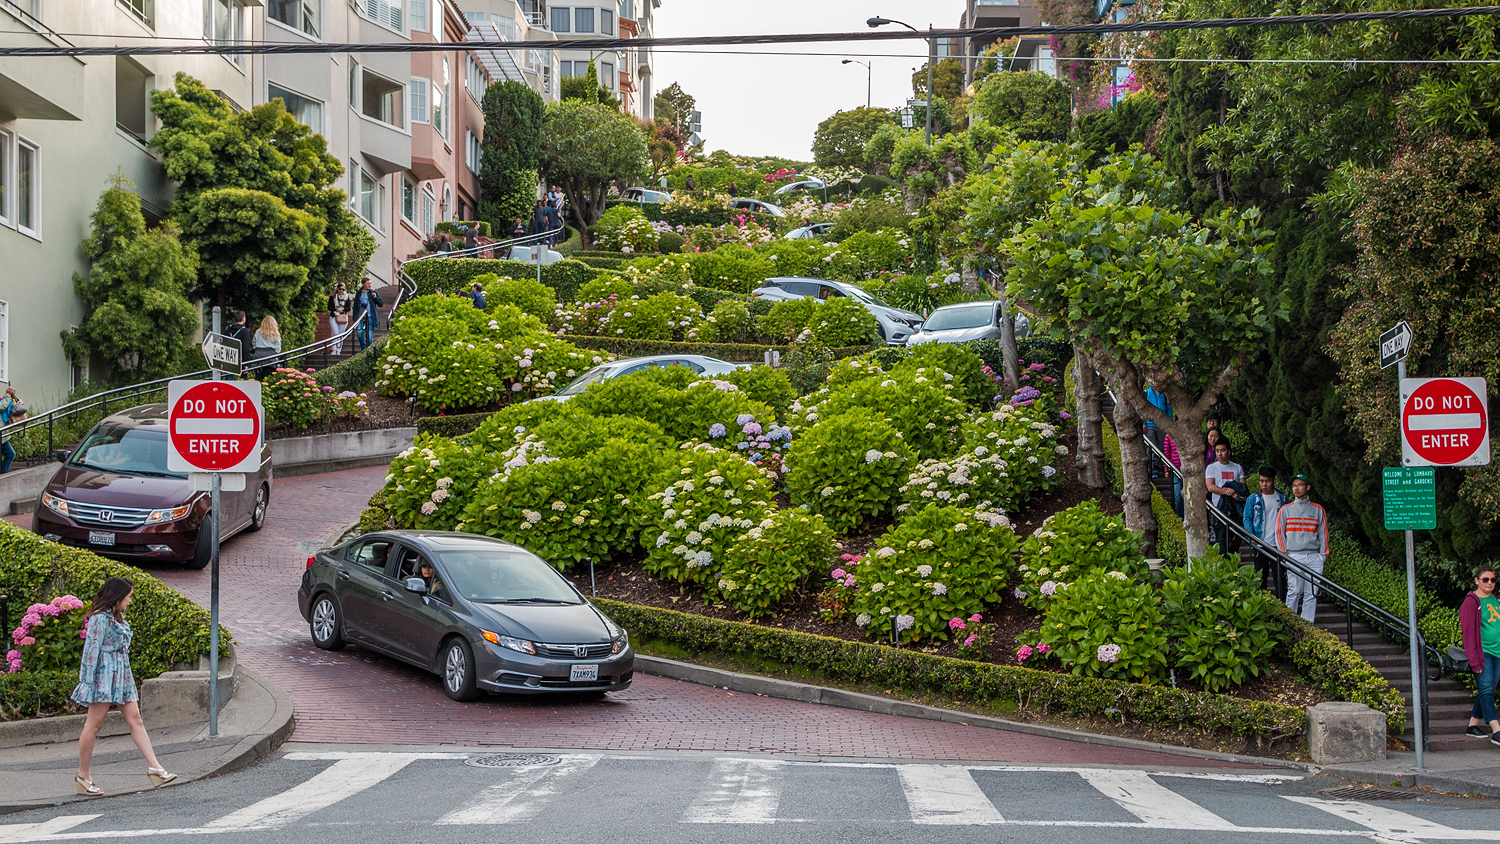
<point>477,251</point>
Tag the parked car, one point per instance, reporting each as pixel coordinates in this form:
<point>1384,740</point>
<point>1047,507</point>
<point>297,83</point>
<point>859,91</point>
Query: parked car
<point>490,616</point>
<point>804,184</point>
<point>645,195</point>
<point>895,324</point>
<point>702,364</point>
<point>965,321</point>
<point>758,206</point>
<point>814,230</point>
<point>114,496</point>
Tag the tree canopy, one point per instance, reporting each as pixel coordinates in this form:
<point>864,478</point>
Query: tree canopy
<point>586,148</point>
<point>511,153</point>
<point>841,138</point>
<point>674,107</point>
<point>1035,106</point>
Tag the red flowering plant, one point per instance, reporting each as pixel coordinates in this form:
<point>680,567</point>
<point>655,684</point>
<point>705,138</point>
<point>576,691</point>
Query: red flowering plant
<point>50,637</point>
<point>833,602</point>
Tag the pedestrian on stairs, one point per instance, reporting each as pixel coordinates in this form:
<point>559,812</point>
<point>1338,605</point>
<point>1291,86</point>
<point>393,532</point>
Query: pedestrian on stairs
<point>1260,515</point>
<point>1302,534</point>
<point>366,317</point>
<point>1479,619</point>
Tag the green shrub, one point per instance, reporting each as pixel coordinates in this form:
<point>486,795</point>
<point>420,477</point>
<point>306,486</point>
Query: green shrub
<point>450,275</point>
<point>669,242</point>
<point>969,381</point>
<point>664,316</point>
<point>1385,586</point>
<point>39,694</point>
<point>526,294</point>
<point>733,267</point>
<point>863,254</point>
<point>429,483</point>
<point>733,352</point>
<point>700,506</point>
<point>538,363</point>
<point>922,294</point>
<point>684,414</point>
<point>603,263</point>
<point>943,564</point>
<point>767,385</point>
<point>625,229</point>
<point>878,215</point>
<point>356,374</point>
<point>730,322</point>
<point>1221,623</point>
<point>847,467</point>
<point>1335,669</point>
<point>602,287</point>
<point>1026,442</point>
<point>967,480</point>
<point>443,373</point>
<point>53,641</point>
<point>1107,625</point>
<point>842,321</point>
<point>767,563</point>
<point>1072,544</point>
<point>452,426</point>
<point>920,405</point>
<point>789,317</point>
<point>505,428</point>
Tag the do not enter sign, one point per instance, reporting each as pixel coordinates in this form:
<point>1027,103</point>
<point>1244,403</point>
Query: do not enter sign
<point>1444,422</point>
<point>214,426</point>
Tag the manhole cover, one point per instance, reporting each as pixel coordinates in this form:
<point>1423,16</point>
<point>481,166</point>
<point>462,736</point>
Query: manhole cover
<point>513,760</point>
<point>1365,792</point>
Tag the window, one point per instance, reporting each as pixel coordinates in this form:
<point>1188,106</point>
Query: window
<point>28,189</point>
<point>144,10</point>
<point>419,100</point>
<point>471,17</point>
<point>301,15</point>
<point>474,78</point>
<point>371,555</point>
<point>223,23</point>
<point>427,212</point>
<point>408,200</point>
<point>381,99</point>
<point>627,9</point>
<point>560,19</point>
<point>132,109</point>
<point>369,199</point>
<point>418,12</point>
<point>606,22</point>
<point>386,12</point>
<point>447,202</point>
<point>583,20</point>
<point>4,341</point>
<point>607,75</point>
<point>353,183</point>
<point>5,216</point>
<point>471,152</point>
<point>440,106</point>
<point>565,70</point>
<point>308,111</point>
<point>353,83</point>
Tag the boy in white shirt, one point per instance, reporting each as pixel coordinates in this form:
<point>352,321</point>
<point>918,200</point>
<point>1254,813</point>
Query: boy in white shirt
<point>1217,476</point>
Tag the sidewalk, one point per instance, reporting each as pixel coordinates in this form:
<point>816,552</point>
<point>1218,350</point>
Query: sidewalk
<point>1474,771</point>
<point>251,725</point>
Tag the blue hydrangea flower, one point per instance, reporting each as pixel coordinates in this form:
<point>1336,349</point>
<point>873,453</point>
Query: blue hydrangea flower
<point>744,419</point>
<point>716,430</point>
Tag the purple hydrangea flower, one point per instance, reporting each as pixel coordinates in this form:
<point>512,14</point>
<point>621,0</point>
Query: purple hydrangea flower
<point>717,430</point>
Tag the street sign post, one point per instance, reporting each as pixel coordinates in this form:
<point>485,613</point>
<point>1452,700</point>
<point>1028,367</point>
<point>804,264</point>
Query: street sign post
<point>1394,345</point>
<point>1410,496</point>
<point>1444,422</point>
<point>214,427</point>
<point>222,353</point>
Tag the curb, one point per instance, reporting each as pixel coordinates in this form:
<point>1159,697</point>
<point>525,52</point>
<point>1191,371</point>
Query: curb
<point>1435,780</point>
<point>789,690</point>
<point>256,746</point>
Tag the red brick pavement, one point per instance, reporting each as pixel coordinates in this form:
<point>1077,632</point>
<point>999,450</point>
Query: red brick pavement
<point>356,696</point>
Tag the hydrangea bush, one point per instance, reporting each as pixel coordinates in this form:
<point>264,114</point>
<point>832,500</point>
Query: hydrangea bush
<point>664,316</point>
<point>526,294</point>
<point>697,509</point>
<point>539,364</point>
<point>293,398</point>
<point>1222,625</point>
<point>624,228</point>
<point>1076,543</point>
<point>730,322</point>
<point>49,637</point>
<point>841,322</point>
<point>918,403</point>
<point>770,559</point>
<point>429,483</point>
<point>847,468</point>
<point>1107,625</point>
<point>942,563</point>
<point>1025,441</point>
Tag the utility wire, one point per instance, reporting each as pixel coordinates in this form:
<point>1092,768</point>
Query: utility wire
<point>604,44</point>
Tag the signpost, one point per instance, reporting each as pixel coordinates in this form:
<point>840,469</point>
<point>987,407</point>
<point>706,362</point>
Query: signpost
<point>1394,345</point>
<point>222,353</point>
<point>215,427</point>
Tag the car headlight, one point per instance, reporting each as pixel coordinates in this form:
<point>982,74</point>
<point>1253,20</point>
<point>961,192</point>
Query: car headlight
<point>514,644</point>
<point>55,504</point>
<point>621,643</point>
<point>169,515</point>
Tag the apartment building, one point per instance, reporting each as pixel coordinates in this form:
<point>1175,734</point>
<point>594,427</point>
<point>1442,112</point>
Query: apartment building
<point>980,14</point>
<point>66,126</point>
<point>625,73</point>
<point>515,20</point>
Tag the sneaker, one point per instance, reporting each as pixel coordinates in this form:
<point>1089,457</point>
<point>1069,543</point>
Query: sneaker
<point>1478,732</point>
<point>1495,739</point>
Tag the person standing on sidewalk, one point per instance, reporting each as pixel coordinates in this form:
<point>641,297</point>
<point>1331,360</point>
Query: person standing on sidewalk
<point>105,680</point>
<point>12,410</point>
<point>1302,534</point>
<point>1479,619</point>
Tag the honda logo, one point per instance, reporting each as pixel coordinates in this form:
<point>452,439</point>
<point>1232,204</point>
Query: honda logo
<point>580,650</point>
<point>106,515</point>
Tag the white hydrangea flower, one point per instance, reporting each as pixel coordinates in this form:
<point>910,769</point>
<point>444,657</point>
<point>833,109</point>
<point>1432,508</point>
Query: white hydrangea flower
<point>862,620</point>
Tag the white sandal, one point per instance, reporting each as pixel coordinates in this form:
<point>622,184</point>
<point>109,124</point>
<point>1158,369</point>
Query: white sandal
<point>87,787</point>
<point>159,776</point>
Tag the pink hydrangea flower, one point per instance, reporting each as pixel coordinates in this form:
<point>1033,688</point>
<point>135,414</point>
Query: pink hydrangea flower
<point>839,574</point>
<point>1043,648</point>
<point>969,642</point>
<point>1023,653</point>
<point>956,624</point>
<point>976,617</point>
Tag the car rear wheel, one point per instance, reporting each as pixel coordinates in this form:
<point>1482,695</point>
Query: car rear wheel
<point>262,503</point>
<point>326,623</point>
<point>203,549</point>
<point>458,670</point>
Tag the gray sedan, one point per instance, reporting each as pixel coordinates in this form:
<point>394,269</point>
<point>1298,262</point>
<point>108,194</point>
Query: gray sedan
<point>964,322</point>
<point>482,613</point>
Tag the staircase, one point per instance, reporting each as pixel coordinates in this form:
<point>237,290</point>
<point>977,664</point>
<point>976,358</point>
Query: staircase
<point>323,360</point>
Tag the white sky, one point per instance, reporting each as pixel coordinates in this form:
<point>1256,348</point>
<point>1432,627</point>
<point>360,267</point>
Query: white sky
<point>771,105</point>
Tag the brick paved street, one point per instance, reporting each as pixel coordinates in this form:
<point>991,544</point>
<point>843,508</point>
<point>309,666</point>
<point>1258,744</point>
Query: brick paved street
<point>357,696</point>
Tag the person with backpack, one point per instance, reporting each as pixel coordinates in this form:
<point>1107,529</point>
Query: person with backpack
<point>12,410</point>
<point>1479,619</point>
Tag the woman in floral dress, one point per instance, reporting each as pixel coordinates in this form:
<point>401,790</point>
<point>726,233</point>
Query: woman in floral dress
<point>104,680</point>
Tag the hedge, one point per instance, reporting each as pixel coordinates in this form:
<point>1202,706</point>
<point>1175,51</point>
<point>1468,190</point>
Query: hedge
<point>708,297</point>
<point>572,245</point>
<point>36,694</point>
<point>356,374</point>
<point>451,426</point>
<point>451,274</point>
<point>603,253</point>
<point>599,262</point>
<point>736,352</point>
<point>169,628</point>
<point>681,214</point>
<point>1032,691</point>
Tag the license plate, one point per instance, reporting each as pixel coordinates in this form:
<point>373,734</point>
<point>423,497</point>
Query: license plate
<point>584,674</point>
<point>101,537</point>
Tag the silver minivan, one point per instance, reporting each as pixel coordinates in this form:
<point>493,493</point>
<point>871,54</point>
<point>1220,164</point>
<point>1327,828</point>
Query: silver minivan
<point>964,322</point>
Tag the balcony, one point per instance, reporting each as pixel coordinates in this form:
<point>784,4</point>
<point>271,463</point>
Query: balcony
<point>48,88</point>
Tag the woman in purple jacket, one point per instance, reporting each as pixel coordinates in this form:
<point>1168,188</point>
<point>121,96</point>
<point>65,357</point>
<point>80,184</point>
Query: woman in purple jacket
<point>1479,618</point>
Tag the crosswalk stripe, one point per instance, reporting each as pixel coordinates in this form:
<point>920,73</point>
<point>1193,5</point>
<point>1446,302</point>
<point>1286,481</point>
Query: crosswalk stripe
<point>738,791</point>
<point>341,779</point>
<point>945,795</point>
<point>520,797</point>
<point>29,831</point>
<point>1393,823</point>
<point>1152,802</point>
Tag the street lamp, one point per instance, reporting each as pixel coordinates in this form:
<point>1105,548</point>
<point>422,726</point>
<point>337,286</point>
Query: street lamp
<point>931,60</point>
<point>868,78</point>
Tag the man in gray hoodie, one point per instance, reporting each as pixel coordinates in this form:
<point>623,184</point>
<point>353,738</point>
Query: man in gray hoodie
<point>1302,534</point>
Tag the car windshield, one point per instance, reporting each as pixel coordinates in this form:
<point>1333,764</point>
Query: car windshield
<point>129,451</point>
<point>951,319</point>
<point>863,296</point>
<point>582,382</point>
<point>501,575</point>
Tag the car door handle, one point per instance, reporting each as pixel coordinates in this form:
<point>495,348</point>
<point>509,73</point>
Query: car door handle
<point>387,596</point>
<point>343,575</point>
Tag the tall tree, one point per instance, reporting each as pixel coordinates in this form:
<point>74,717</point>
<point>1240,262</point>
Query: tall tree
<point>841,138</point>
<point>588,89</point>
<point>674,107</point>
<point>586,148</point>
<point>138,319</point>
<point>1033,105</point>
<point>947,79</point>
<point>511,153</point>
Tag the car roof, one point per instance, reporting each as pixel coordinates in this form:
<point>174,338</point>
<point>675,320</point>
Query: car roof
<point>137,417</point>
<point>956,305</point>
<point>649,358</point>
<point>440,540</point>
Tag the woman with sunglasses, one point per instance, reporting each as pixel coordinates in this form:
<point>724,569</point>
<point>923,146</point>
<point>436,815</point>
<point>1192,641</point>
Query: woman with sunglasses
<point>1479,618</point>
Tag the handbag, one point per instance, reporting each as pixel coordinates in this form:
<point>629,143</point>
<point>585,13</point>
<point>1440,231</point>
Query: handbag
<point>342,318</point>
<point>1458,659</point>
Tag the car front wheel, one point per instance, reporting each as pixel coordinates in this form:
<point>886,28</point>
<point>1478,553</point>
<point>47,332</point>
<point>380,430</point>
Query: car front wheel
<point>262,503</point>
<point>326,623</point>
<point>458,670</point>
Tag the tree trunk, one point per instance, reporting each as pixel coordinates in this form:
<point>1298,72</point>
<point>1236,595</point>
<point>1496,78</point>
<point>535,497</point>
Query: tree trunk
<point>970,278</point>
<point>1088,416</point>
<point>1010,357</point>
<point>1136,468</point>
<point>1189,439</point>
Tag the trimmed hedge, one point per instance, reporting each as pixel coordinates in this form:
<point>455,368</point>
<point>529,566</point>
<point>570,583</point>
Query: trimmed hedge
<point>37,694</point>
<point>1337,670</point>
<point>572,245</point>
<point>681,214</point>
<point>601,262</point>
<point>451,274</point>
<point>604,253</point>
<point>451,426</point>
<point>169,628</point>
<point>734,352</point>
<point>708,297</point>
<point>1034,692</point>
<point>356,374</point>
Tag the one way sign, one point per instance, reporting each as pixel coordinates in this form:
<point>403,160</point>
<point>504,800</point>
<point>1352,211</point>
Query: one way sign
<point>1394,344</point>
<point>222,353</point>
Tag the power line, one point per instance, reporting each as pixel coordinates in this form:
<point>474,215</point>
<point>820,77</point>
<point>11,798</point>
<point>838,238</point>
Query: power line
<point>743,40</point>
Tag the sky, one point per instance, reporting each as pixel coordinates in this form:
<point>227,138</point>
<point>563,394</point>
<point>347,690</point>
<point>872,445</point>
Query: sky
<point>772,105</point>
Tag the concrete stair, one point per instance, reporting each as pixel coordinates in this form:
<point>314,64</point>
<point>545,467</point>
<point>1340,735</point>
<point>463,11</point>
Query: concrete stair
<point>323,360</point>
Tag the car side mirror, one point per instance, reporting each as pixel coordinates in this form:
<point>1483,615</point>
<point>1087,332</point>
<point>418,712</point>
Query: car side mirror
<point>62,455</point>
<point>416,585</point>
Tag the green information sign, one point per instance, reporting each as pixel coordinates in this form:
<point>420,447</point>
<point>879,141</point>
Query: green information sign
<point>1410,495</point>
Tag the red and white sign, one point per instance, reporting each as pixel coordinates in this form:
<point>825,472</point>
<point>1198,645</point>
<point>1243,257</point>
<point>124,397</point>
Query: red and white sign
<point>1444,422</point>
<point>214,426</point>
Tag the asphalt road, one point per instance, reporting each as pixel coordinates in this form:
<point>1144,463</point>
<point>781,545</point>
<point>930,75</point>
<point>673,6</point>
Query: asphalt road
<point>344,793</point>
